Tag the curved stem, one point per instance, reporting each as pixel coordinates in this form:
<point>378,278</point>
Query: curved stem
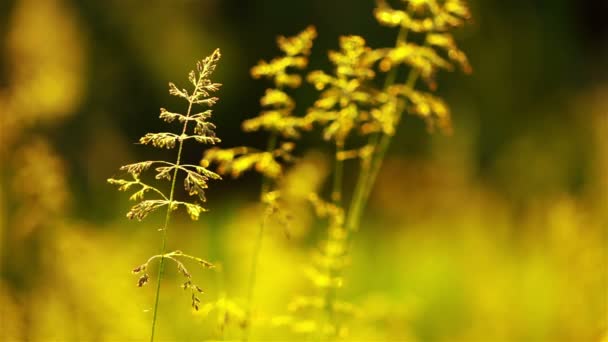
<point>368,175</point>
<point>146,186</point>
<point>384,144</point>
<point>257,247</point>
<point>161,266</point>
<point>253,275</point>
<point>336,195</point>
<point>359,198</point>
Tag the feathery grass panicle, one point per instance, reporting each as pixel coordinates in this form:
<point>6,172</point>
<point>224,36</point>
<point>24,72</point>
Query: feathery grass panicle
<point>342,104</point>
<point>277,116</point>
<point>278,119</point>
<point>196,176</point>
<point>296,51</point>
<point>432,20</point>
<point>350,101</point>
<point>194,127</point>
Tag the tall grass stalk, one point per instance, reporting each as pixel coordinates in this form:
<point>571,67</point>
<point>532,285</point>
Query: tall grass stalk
<point>257,247</point>
<point>161,265</point>
<point>277,118</point>
<point>366,178</point>
<point>195,180</point>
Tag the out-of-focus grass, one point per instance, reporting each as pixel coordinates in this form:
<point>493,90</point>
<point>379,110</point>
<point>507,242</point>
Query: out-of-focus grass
<point>477,275</point>
<point>440,257</point>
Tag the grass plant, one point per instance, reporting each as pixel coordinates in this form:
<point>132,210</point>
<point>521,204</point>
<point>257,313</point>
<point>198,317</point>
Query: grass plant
<point>194,127</point>
<point>363,96</point>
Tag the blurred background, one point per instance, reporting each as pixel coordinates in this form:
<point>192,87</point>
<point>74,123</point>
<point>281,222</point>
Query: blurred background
<point>496,233</point>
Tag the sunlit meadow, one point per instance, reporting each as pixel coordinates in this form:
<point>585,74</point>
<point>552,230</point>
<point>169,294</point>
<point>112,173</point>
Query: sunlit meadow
<point>407,170</point>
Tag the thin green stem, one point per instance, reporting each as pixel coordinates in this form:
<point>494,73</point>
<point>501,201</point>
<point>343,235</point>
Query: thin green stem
<point>220,280</point>
<point>336,196</point>
<point>257,247</point>
<point>253,275</point>
<point>358,200</point>
<point>384,144</point>
<point>161,266</point>
<point>336,193</point>
<point>272,144</point>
